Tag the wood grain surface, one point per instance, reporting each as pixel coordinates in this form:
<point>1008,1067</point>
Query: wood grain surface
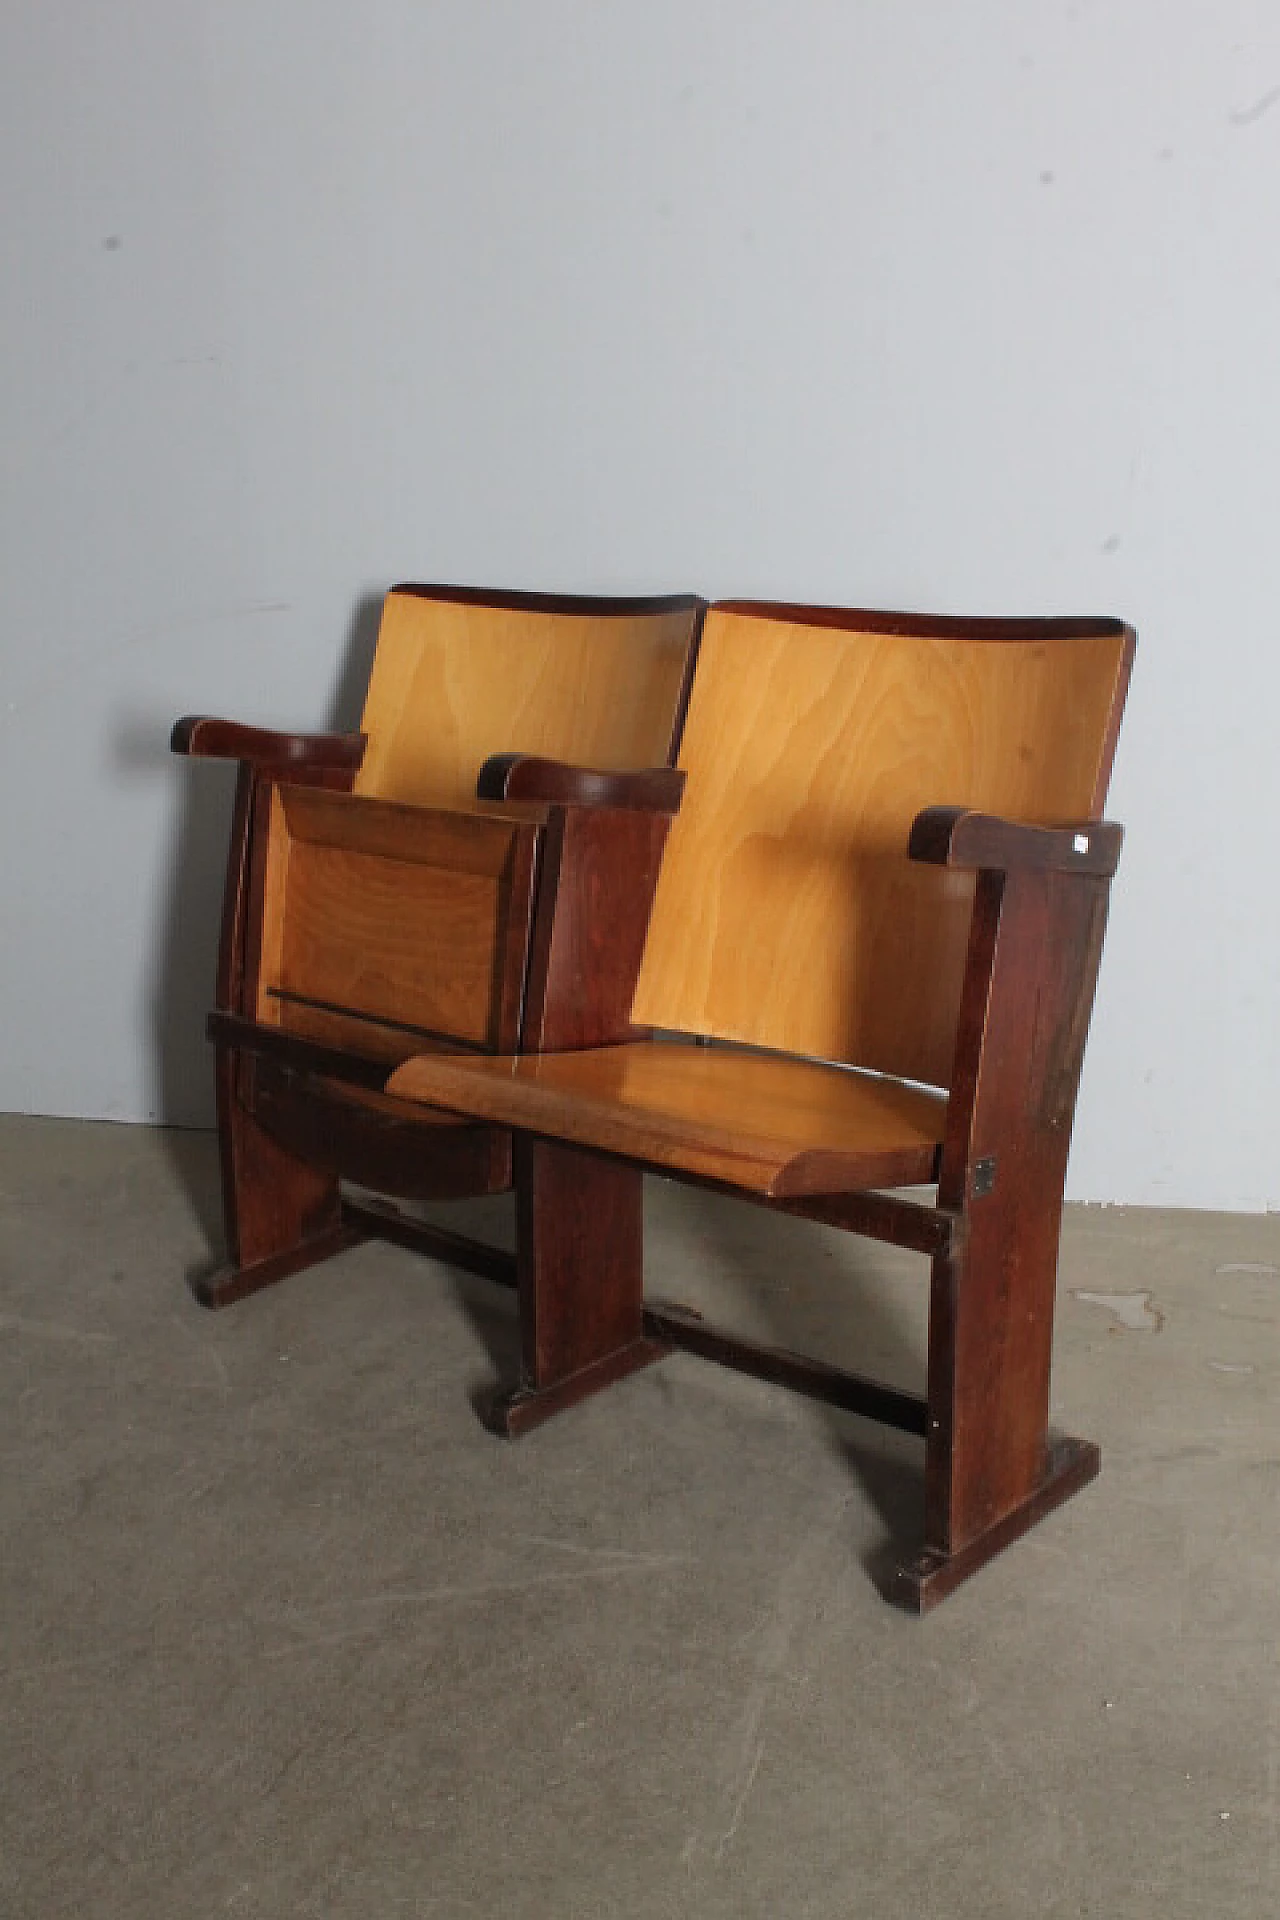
<point>1028,994</point>
<point>454,682</point>
<point>788,913</point>
<point>409,916</point>
<point>766,1125</point>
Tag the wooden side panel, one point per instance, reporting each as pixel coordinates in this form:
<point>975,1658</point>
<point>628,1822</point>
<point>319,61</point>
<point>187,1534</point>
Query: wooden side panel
<point>414,919</point>
<point>1025,1015</point>
<point>453,683</point>
<point>788,913</point>
<point>599,869</point>
<point>569,1203</point>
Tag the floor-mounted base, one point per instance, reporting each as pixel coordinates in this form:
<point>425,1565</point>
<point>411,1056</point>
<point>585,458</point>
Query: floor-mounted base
<point>224,1288</point>
<point>516,1413</point>
<point>929,1578</point>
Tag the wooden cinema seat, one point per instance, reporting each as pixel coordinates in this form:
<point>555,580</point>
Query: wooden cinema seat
<point>882,902</point>
<point>386,889</point>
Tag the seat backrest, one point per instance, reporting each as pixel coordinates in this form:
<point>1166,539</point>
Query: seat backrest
<point>461,674</point>
<point>788,914</point>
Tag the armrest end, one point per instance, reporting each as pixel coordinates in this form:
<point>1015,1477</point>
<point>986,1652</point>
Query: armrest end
<point>203,737</point>
<point>527,776</point>
<point>957,837</point>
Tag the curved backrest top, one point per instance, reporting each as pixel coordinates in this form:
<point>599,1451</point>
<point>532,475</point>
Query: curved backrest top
<point>461,673</point>
<point>787,913</point>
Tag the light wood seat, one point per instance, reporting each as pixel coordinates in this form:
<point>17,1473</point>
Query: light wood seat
<point>770,1125</point>
<point>385,887</point>
<point>889,857</point>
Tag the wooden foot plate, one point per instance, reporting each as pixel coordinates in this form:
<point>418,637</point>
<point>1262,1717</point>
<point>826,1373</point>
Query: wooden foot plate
<point>929,1578</point>
<point>223,1289</point>
<point>516,1413</point>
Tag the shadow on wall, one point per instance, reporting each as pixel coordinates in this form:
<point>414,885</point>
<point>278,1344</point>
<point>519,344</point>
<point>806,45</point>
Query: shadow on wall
<point>180,984</point>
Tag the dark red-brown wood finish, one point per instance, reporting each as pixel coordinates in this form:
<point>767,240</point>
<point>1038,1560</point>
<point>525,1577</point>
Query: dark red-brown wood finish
<point>280,1214</point>
<point>524,776</point>
<point>575,1340</point>
<point>199,736</point>
<point>1033,963</point>
<point>600,867</point>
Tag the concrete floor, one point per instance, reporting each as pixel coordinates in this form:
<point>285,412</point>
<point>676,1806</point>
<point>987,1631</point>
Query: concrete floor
<point>285,1632</point>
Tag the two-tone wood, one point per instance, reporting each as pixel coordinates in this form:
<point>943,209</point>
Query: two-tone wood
<point>379,901</point>
<point>888,868</point>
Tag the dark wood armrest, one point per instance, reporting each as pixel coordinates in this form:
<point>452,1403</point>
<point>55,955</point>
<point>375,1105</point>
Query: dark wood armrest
<point>955,837</point>
<point>199,735</point>
<point>526,776</point>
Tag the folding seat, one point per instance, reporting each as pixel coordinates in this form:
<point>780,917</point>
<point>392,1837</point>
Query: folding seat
<point>384,890</point>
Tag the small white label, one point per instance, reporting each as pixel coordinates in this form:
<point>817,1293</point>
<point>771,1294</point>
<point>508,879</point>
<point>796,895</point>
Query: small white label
<point>1081,843</point>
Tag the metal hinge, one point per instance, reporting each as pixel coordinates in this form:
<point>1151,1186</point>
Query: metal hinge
<point>984,1177</point>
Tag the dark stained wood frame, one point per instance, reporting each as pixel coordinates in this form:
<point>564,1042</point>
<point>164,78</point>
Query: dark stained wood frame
<point>992,1468</point>
<point>293,1121</point>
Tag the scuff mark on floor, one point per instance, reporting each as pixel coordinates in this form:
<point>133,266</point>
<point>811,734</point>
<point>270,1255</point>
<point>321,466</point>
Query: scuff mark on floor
<point>1232,1366</point>
<point>359,1616</point>
<point>1131,1312</point>
<point>804,1579</point>
<point>726,1838</point>
<point>621,1557</point>
<point>218,1366</point>
<point>54,1330</point>
<point>1263,1267</point>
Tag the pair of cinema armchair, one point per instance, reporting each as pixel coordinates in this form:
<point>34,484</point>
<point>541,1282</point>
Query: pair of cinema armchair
<point>858,857</point>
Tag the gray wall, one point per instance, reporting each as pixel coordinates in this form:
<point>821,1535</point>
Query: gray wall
<point>951,307</point>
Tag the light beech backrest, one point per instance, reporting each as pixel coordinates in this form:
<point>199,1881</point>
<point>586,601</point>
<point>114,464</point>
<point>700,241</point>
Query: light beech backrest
<point>787,913</point>
<point>456,679</point>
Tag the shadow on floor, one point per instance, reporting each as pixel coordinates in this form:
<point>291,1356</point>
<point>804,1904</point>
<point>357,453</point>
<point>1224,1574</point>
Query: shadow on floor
<point>894,1486</point>
<point>816,1291</point>
<point>783,1281</point>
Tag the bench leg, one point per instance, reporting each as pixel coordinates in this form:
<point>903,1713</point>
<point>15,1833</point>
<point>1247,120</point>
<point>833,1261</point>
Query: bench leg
<point>281,1214</point>
<point>579,1267</point>
<point>991,1467</point>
